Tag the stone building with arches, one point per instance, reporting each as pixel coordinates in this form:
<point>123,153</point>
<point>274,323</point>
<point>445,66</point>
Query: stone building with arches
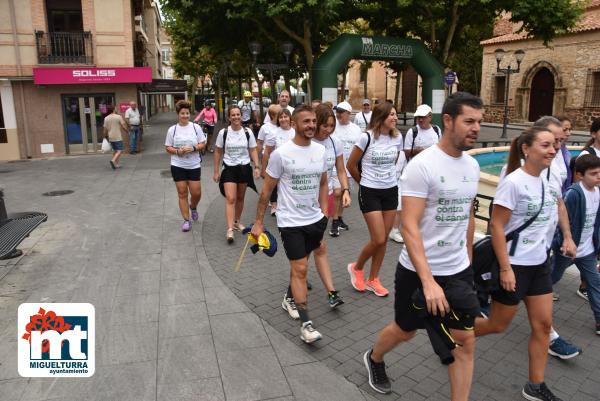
<point>562,79</point>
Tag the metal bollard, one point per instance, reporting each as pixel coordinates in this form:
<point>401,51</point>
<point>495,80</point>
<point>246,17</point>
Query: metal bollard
<point>3,215</point>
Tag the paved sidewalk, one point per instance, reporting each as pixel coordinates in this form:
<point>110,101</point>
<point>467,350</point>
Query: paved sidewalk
<point>175,322</point>
<point>167,326</point>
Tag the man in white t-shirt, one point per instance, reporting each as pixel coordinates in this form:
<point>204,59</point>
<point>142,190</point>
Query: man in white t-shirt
<point>248,109</point>
<point>347,133</point>
<point>284,102</point>
<point>438,188</point>
<point>134,122</point>
<point>363,118</point>
<point>299,170</point>
<point>422,135</point>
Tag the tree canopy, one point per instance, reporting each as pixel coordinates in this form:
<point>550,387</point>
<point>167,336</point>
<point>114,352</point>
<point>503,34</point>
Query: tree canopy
<point>451,29</point>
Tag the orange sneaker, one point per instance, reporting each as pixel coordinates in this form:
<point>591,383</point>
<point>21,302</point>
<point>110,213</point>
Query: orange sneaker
<point>376,287</point>
<point>357,277</point>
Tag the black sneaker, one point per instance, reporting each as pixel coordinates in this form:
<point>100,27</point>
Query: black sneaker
<point>334,299</point>
<point>334,231</point>
<point>598,328</point>
<point>378,379</point>
<point>543,394</point>
<point>343,226</point>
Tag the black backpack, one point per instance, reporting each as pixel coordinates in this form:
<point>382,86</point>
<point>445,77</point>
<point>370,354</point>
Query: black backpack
<point>415,132</point>
<point>225,136</point>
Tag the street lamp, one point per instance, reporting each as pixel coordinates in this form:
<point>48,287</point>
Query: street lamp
<point>255,49</point>
<point>500,53</point>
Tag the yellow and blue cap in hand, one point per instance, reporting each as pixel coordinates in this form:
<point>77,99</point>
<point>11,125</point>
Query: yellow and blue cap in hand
<point>266,242</point>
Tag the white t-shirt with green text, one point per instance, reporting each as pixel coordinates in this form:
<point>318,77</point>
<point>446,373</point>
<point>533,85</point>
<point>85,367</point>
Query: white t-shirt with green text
<point>189,135</point>
<point>522,194</point>
<point>278,136</point>
<point>348,135</point>
<point>379,160</point>
<point>334,149</point>
<point>237,146</point>
<point>299,170</point>
<point>449,185</point>
<point>586,242</point>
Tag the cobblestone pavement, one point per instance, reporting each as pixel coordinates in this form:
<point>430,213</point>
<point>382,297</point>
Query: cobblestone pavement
<point>501,360</point>
<point>169,328</point>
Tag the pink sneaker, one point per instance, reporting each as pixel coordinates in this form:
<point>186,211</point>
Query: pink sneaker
<point>376,287</point>
<point>357,277</point>
<point>186,226</point>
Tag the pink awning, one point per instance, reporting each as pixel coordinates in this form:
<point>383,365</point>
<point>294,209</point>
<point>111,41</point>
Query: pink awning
<point>86,75</point>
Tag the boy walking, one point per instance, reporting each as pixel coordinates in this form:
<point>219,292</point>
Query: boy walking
<point>582,201</point>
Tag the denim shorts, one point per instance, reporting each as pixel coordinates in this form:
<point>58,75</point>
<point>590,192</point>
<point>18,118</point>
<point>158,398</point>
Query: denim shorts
<point>117,145</point>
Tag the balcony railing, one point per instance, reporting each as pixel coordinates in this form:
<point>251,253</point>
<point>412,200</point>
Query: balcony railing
<point>64,47</point>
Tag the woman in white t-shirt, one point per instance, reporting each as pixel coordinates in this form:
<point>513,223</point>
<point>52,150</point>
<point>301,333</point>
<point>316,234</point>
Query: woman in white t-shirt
<point>267,127</point>
<point>274,139</point>
<point>236,146</point>
<point>184,141</point>
<point>372,163</point>
<point>523,262</point>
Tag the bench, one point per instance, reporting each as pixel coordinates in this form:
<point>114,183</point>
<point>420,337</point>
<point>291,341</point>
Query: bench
<point>14,228</point>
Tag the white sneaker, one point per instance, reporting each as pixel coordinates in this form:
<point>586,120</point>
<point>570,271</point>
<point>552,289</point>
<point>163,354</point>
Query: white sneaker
<point>396,236</point>
<point>308,334</point>
<point>289,305</point>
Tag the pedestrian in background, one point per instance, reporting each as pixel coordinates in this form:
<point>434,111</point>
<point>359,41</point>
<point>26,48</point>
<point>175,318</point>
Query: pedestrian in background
<point>184,142</point>
<point>134,121</point>
<point>363,118</point>
<point>209,119</point>
<point>114,126</point>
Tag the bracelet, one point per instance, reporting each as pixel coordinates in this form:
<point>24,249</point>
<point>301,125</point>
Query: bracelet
<point>504,270</point>
<point>346,189</point>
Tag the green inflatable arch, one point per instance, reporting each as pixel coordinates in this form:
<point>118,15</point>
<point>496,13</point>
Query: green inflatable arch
<point>348,47</point>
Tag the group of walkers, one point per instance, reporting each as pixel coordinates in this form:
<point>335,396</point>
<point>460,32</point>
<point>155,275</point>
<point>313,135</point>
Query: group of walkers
<point>417,189</point>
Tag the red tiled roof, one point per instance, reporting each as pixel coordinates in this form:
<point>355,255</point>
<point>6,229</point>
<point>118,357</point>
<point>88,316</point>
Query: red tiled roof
<point>590,21</point>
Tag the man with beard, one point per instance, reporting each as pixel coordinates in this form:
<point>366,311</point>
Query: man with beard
<point>438,187</point>
<point>299,170</point>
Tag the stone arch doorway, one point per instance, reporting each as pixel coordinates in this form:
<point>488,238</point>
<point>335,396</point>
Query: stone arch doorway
<point>541,100</point>
<point>348,46</point>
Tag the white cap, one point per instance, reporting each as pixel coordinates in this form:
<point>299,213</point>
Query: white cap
<point>343,106</point>
<point>423,111</point>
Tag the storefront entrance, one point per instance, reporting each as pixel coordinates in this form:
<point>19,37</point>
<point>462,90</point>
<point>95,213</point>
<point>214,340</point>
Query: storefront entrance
<point>83,121</point>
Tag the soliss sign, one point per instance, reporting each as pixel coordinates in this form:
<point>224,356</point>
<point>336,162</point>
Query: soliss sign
<point>370,49</point>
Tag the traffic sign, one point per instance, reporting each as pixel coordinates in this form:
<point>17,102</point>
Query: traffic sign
<point>450,78</point>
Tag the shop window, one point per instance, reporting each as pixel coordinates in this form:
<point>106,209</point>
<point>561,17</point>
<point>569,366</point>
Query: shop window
<point>592,90</point>
<point>3,137</point>
<point>499,89</point>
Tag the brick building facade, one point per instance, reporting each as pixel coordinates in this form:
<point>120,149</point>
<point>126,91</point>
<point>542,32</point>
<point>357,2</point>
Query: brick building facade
<point>563,79</point>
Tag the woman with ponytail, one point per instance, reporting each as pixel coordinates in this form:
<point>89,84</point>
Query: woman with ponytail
<point>524,206</point>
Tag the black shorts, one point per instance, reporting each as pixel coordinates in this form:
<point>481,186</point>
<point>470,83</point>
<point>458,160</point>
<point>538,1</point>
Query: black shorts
<point>273,198</point>
<point>299,242</point>
<point>371,199</point>
<point>531,281</point>
<point>406,282</point>
<point>185,174</point>
<point>237,174</point>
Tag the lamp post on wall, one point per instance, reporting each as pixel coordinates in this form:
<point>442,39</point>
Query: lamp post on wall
<point>499,53</point>
<point>255,49</point>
